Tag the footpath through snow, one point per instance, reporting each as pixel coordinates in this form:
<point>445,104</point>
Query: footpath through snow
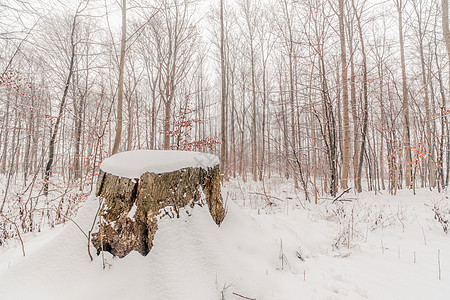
<point>370,248</point>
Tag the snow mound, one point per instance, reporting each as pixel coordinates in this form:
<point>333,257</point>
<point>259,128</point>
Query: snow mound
<point>132,164</point>
<point>191,258</point>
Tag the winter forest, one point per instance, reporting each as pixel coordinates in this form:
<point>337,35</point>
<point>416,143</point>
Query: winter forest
<point>310,105</point>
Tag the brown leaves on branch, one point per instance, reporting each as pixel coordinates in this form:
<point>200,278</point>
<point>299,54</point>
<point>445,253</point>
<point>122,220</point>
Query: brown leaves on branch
<point>183,125</point>
<point>16,81</point>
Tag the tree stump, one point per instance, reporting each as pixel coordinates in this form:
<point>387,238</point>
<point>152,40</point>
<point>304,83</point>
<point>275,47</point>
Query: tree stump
<point>139,187</point>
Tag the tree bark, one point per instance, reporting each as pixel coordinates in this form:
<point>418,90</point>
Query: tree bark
<point>6,135</point>
<point>118,136</point>
<point>254,141</point>
<point>291,89</point>
<point>223,124</point>
<point>405,102</point>
<point>132,207</point>
<point>346,146</point>
<point>445,26</point>
<point>354,105</point>
<point>365,98</point>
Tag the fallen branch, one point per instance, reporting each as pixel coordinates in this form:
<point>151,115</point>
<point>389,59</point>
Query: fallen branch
<point>243,297</point>
<point>343,192</point>
<point>299,255</point>
<point>267,196</point>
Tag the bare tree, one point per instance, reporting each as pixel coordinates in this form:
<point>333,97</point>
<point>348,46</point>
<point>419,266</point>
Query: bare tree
<point>175,38</point>
<point>118,137</point>
<point>223,124</point>
<point>405,103</point>
<point>51,148</point>
<point>345,108</point>
<point>358,14</point>
<point>251,15</point>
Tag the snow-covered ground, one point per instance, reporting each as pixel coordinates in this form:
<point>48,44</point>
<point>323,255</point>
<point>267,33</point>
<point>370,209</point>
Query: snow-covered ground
<point>374,247</point>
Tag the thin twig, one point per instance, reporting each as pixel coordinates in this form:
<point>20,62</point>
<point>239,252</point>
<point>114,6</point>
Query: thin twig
<point>343,192</point>
<point>439,263</point>
<point>243,297</point>
<point>100,205</point>
<point>65,216</point>
<point>267,196</point>
<point>18,232</point>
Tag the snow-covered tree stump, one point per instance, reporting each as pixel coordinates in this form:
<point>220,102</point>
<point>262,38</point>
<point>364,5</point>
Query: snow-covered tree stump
<point>139,187</point>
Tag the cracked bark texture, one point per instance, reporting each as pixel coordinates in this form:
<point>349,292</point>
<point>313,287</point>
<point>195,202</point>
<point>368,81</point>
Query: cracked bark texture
<point>155,196</point>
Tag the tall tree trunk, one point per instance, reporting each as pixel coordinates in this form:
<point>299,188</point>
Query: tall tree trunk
<point>429,164</point>
<point>241,162</point>
<point>79,122</point>
<point>365,99</point>
<point>263,143</point>
<point>291,94</point>
<point>329,133</point>
<point>428,120</point>
<point>346,146</point>
<point>54,134</point>
<point>446,32</point>
<point>130,121</point>
<point>444,122</point>
<point>445,29</point>
<point>6,134</point>
<point>233,116</point>
<point>254,141</point>
<point>118,137</point>
<point>355,117</point>
<point>313,134</point>
<point>383,128</point>
<point>168,114</point>
<point>223,124</point>
<point>30,134</point>
<point>405,102</point>
<point>78,129</point>
<point>284,129</point>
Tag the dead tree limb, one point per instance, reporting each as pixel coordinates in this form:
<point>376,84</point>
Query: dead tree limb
<point>243,297</point>
<point>343,192</point>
